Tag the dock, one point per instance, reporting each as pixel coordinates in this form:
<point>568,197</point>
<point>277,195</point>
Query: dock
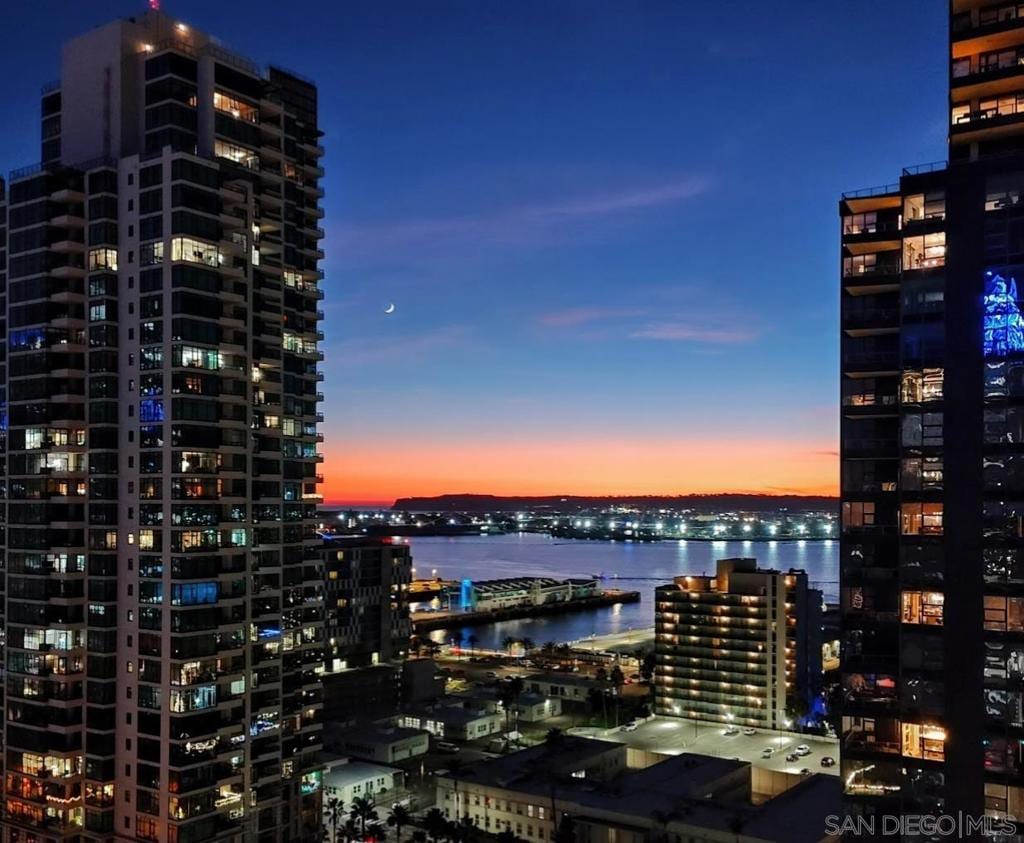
<point>429,621</point>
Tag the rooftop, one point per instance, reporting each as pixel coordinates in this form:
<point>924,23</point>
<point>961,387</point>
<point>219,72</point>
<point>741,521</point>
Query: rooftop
<point>355,772</point>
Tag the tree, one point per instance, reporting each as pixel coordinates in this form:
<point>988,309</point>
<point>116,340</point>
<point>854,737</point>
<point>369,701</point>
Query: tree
<point>363,812</point>
<point>509,692</point>
<point>508,642</point>
<point>647,664</point>
<point>507,836</point>
<point>601,675</point>
<point>434,824</point>
<point>473,641</point>
<point>527,645</point>
<point>464,829</point>
<point>566,831</point>
<point>399,817</point>
<point>617,679</point>
<point>549,648</point>
<point>419,836</point>
<point>335,815</point>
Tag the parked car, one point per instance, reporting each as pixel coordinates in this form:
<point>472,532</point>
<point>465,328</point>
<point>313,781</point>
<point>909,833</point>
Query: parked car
<point>828,761</point>
<point>767,752</point>
<point>802,750</point>
<point>447,747</point>
<point>792,757</point>
<point>729,731</point>
<point>491,674</point>
<point>749,731</point>
<point>629,727</point>
<point>805,772</point>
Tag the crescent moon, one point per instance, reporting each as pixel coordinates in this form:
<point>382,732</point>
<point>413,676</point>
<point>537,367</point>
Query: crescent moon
<point>390,308</point>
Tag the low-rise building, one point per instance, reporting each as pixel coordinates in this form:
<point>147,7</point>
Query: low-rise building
<point>570,687</point>
<point>348,780</point>
<point>528,707</point>
<point>694,798</point>
<point>381,743</point>
<point>453,719</point>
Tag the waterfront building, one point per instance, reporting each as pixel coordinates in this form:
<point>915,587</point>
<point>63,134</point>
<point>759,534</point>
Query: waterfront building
<point>614,794</point>
<point>512,592</point>
<point>742,647</point>
<point>163,615</point>
<point>932,368</point>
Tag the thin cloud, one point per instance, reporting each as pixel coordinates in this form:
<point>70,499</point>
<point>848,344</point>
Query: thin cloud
<point>540,223</point>
<point>691,331</point>
<point>577,316</point>
<point>370,351</point>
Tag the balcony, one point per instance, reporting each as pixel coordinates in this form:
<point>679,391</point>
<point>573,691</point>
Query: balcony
<point>860,321</point>
<point>871,362</point>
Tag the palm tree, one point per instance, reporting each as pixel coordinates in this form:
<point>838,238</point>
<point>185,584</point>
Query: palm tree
<point>399,817</point>
<point>527,645</point>
<point>509,693</point>
<point>507,836</point>
<point>363,812</point>
<point>419,836</point>
<point>335,815</point>
<point>617,679</point>
<point>566,831</point>
<point>434,824</point>
<point>508,642</point>
<point>473,640</point>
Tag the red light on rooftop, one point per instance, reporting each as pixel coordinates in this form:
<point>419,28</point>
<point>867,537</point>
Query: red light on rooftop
<point>154,5</point>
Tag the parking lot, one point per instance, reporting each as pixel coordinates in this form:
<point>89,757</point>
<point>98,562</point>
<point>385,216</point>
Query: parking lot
<point>672,736</point>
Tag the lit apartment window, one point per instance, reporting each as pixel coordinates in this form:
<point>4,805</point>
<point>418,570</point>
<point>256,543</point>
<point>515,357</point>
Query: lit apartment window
<point>239,109</point>
<point>922,607</point>
<point>858,514</point>
<point>925,206</point>
<point>103,258</point>
<point>239,154</point>
<point>151,253</point>
<point>921,519</point>
<point>923,741</point>
<point>925,251</point>
<point>920,385</point>
<point>1004,614</point>
<point>866,223</point>
<point>194,251</point>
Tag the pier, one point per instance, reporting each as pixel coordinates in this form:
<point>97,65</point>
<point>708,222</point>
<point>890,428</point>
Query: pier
<point>429,621</point>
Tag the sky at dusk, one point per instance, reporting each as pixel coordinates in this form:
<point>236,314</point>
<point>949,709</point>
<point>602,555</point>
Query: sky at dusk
<point>609,229</point>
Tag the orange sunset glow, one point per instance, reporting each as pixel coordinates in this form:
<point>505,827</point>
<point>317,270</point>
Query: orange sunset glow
<point>380,472</point>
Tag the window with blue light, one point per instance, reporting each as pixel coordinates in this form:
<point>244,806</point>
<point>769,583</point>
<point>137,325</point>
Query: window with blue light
<point>193,594</point>
<point>151,410</point>
<point>1003,322</point>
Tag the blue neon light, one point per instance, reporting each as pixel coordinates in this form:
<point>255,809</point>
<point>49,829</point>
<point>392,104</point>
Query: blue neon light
<point>466,594</point>
<point>1004,324</point>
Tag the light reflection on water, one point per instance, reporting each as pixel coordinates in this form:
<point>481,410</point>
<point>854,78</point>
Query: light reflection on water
<point>628,565</point>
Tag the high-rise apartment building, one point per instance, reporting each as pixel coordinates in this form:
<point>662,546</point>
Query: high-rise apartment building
<point>742,647</point>
<point>932,571</point>
<point>164,603</point>
<point>366,626</point>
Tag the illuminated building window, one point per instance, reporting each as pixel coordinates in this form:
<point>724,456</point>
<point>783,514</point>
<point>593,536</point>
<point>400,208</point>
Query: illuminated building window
<point>151,253</point>
<point>921,385</point>
<point>237,108</point>
<point>923,741</point>
<point>103,258</point>
<point>858,514</point>
<point>1003,323</point>
<point>1004,614</point>
<point>922,607</point>
<point>924,251</point>
<point>925,206</point>
<point>194,251</point>
<point>239,154</point>
<point>921,519</point>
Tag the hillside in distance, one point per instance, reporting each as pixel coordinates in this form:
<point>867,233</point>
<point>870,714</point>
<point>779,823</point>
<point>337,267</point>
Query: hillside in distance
<point>577,503</point>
